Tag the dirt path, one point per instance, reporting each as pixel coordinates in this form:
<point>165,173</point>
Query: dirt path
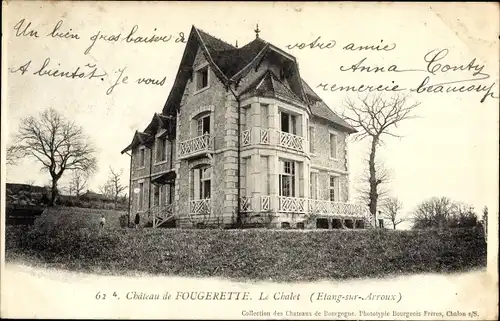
<point>43,293</point>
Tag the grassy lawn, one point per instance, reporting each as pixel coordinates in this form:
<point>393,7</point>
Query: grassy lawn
<point>71,239</point>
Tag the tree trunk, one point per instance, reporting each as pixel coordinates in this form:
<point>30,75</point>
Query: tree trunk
<point>394,225</point>
<point>53,192</point>
<point>373,179</point>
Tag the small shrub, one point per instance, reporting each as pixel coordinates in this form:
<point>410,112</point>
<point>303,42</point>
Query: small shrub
<point>123,220</point>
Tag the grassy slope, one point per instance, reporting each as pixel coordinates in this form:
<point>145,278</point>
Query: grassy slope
<point>242,254</point>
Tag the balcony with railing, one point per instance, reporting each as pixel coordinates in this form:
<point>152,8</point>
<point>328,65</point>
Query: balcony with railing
<point>324,207</point>
<point>200,207</point>
<point>246,137</point>
<point>291,141</point>
<point>160,214</point>
<point>284,204</point>
<point>264,136</point>
<point>196,146</point>
<point>292,204</point>
<point>246,204</point>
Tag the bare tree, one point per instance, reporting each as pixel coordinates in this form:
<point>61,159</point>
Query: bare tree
<point>107,189</point>
<point>443,212</point>
<point>434,212</point>
<point>10,159</point>
<point>113,187</point>
<point>56,142</point>
<point>78,182</point>
<point>391,211</point>
<point>375,117</point>
<point>383,178</point>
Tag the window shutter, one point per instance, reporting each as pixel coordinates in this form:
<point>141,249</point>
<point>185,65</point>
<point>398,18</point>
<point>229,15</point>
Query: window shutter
<point>141,196</point>
<point>311,186</point>
<point>293,124</point>
<point>200,127</point>
<point>339,189</point>
<point>196,183</point>
<point>311,139</point>
<point>333,146</point>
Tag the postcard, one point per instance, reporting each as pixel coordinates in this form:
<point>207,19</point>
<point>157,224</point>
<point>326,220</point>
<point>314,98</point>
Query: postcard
<point>250,160</point>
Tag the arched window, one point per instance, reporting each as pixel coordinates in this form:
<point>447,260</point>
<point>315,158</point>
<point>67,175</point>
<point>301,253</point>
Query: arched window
<point>203,125</point>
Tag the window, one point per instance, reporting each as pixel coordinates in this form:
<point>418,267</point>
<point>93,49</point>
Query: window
<point>311,139</point>
<point>201,184</point>
<point>203,125</point>
<point>142,157</point>
<point>333,145</point>
<point>205,179</point>
<point>162,149</point>
<point>322,223</point>
<point>288,123</point>
<point>333,188</point>
<point>360,224</point>
<point>348,223</point>
<point>202,78</point>
<point>141,196</point>
<point>337,223</point>
<point>287,179</point>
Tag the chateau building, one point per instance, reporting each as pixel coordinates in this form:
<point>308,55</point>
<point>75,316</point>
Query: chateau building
<point>242,140</point>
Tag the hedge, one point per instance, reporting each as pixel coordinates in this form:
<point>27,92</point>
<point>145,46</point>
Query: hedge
<point>257,254</point>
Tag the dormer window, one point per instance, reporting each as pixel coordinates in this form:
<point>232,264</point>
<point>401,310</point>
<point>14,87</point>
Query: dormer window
<point>162,149</point>
<point>201,78</point>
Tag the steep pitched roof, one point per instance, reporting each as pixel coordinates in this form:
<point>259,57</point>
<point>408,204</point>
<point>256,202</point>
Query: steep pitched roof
<point>320,109</point>
<point>233,60</point>
<point>269,85</point>
<point>139,139</point>
<point>160,121</point>
<point>214,44</point>
<point>231,64</point>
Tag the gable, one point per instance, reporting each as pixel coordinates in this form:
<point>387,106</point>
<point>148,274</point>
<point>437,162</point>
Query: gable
<point>196,40</point>
<point>268,84</point>
<point>139,139</point>
<point>230,65</point>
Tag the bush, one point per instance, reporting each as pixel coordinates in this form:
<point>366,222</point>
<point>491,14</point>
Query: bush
<point>65,246</point>
<point>124,220</point>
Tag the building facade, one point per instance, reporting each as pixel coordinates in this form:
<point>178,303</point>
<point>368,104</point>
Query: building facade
<point>242,140</point>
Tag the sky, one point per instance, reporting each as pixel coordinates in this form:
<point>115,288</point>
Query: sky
<point>450,150</point>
